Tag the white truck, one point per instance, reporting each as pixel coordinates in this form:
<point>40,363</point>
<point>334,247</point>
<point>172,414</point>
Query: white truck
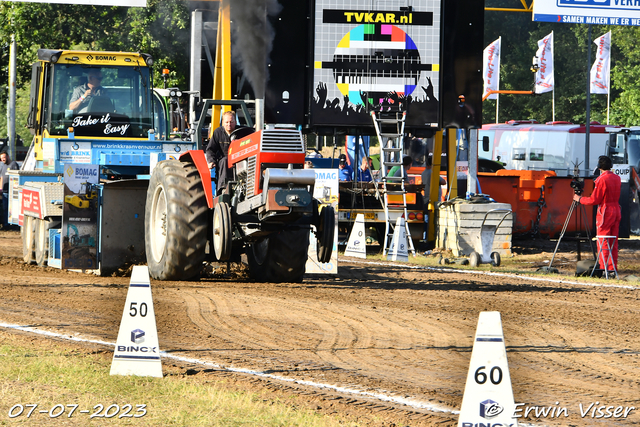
<point>559,146</point>
<point>555,146</point>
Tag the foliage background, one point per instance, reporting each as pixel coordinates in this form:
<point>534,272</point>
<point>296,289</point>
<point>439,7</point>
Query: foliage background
<point>520,37</point>
<point>163,30</point>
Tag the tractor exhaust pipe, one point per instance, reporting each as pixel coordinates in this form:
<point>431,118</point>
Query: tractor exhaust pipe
<point>259,114</point>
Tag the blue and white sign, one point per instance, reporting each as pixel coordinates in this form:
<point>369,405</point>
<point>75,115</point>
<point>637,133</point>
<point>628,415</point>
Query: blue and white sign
<point>601,12</point>
<point>75,152</point>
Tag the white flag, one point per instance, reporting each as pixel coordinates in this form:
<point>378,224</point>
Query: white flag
<point>601,66</point>
<point>544,75</point>
<point>491,68</point>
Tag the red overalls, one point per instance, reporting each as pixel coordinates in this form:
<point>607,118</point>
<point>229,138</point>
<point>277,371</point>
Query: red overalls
<point>606,195</point>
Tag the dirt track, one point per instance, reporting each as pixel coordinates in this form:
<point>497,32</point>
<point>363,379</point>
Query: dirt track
<point>391,330</point>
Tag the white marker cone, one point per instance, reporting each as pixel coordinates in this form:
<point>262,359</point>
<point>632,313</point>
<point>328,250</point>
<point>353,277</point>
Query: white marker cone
<point>398,251</point>
<point>488,396</point>
<point>137,351</point>
<point>357,245</point>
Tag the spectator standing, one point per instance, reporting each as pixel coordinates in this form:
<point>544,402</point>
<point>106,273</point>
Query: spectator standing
<point>6,164</point>
<point>364,171</point>
<point>345,172</point>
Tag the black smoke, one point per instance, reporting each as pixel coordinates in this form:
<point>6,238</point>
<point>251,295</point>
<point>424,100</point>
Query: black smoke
<point>252,39</point>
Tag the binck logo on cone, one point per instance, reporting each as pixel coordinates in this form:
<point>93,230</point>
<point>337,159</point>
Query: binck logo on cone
<point>137,336</point>
<point>490,409</point>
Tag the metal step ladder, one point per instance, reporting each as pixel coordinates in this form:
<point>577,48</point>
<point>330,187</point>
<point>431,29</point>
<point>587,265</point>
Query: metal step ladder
<point>390,131</point>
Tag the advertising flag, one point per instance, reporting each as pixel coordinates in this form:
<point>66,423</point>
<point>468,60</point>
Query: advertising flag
<point>491,68</point>
<point>601,66</point>
<point>544,57</point>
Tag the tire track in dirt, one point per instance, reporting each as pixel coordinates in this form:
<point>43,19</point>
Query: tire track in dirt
<point>384,346</point>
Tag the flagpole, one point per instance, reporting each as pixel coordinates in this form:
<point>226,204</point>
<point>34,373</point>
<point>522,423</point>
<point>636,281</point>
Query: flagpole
<point>587,124</point>
<point>609,71</point>
<point>553,95</point>
<point>498,95</point>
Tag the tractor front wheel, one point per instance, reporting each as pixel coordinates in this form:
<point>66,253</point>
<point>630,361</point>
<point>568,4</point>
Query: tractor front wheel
<point>222,231</point>
<point>175,221</point>
<point>326,233</point>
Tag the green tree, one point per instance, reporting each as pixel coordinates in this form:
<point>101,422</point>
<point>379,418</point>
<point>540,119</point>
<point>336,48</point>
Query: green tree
<point>625,76</point>
<point>519,44</point>
<point>161,29</point>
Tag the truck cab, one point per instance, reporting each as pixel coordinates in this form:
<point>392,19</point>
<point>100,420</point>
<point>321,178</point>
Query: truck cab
<point>123,106</point>
<point>624,151</point>
<point>624,147</point>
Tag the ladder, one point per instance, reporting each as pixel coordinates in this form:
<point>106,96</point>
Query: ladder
<point>390,131</point>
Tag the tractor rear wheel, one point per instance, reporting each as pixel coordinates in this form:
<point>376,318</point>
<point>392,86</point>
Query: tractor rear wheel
<point>279,257</point>
<point>175,221</point>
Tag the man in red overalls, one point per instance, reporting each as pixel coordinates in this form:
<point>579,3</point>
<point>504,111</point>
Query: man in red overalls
<point>606,195</point>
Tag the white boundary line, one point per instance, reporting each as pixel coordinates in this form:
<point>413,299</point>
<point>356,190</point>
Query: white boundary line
<point>412,403</point>
<point>489,273</point>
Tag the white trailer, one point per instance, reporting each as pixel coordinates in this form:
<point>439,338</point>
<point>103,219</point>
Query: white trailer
<point>555,146</point>
<point>559,146</point>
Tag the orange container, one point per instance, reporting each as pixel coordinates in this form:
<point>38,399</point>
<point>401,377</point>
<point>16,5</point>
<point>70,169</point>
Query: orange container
<point>522,190</point>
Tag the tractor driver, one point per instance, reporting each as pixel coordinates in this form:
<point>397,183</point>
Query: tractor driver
<point>218,148</point>
<point>82,94</point>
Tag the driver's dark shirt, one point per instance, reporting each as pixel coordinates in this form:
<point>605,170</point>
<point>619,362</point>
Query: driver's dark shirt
<point>217,151</point>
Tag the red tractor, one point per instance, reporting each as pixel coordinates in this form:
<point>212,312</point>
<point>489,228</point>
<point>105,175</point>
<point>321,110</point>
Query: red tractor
<point>266,211</point>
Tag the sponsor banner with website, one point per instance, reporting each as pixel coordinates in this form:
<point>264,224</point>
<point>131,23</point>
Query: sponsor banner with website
<point>601,12</point>
<point>75,152</point>
<point>80,217</point>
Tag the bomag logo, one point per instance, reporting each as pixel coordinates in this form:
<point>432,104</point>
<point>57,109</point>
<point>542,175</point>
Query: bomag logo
<point>81,172</point>
<point>326,175</point>
<point>105,58</point>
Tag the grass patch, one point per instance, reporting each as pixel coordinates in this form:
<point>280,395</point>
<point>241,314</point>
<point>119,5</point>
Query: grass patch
<point>61,376</point>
